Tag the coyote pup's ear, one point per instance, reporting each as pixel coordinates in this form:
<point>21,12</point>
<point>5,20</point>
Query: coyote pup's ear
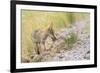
<point>50,25</point>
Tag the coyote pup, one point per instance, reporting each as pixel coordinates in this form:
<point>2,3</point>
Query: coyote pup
<point>39,37</point>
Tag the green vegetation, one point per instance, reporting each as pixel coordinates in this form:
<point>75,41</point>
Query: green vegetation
<point>71,39</point>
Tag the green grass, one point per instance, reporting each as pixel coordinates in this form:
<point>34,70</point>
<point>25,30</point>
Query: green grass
<point>71,39</point>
